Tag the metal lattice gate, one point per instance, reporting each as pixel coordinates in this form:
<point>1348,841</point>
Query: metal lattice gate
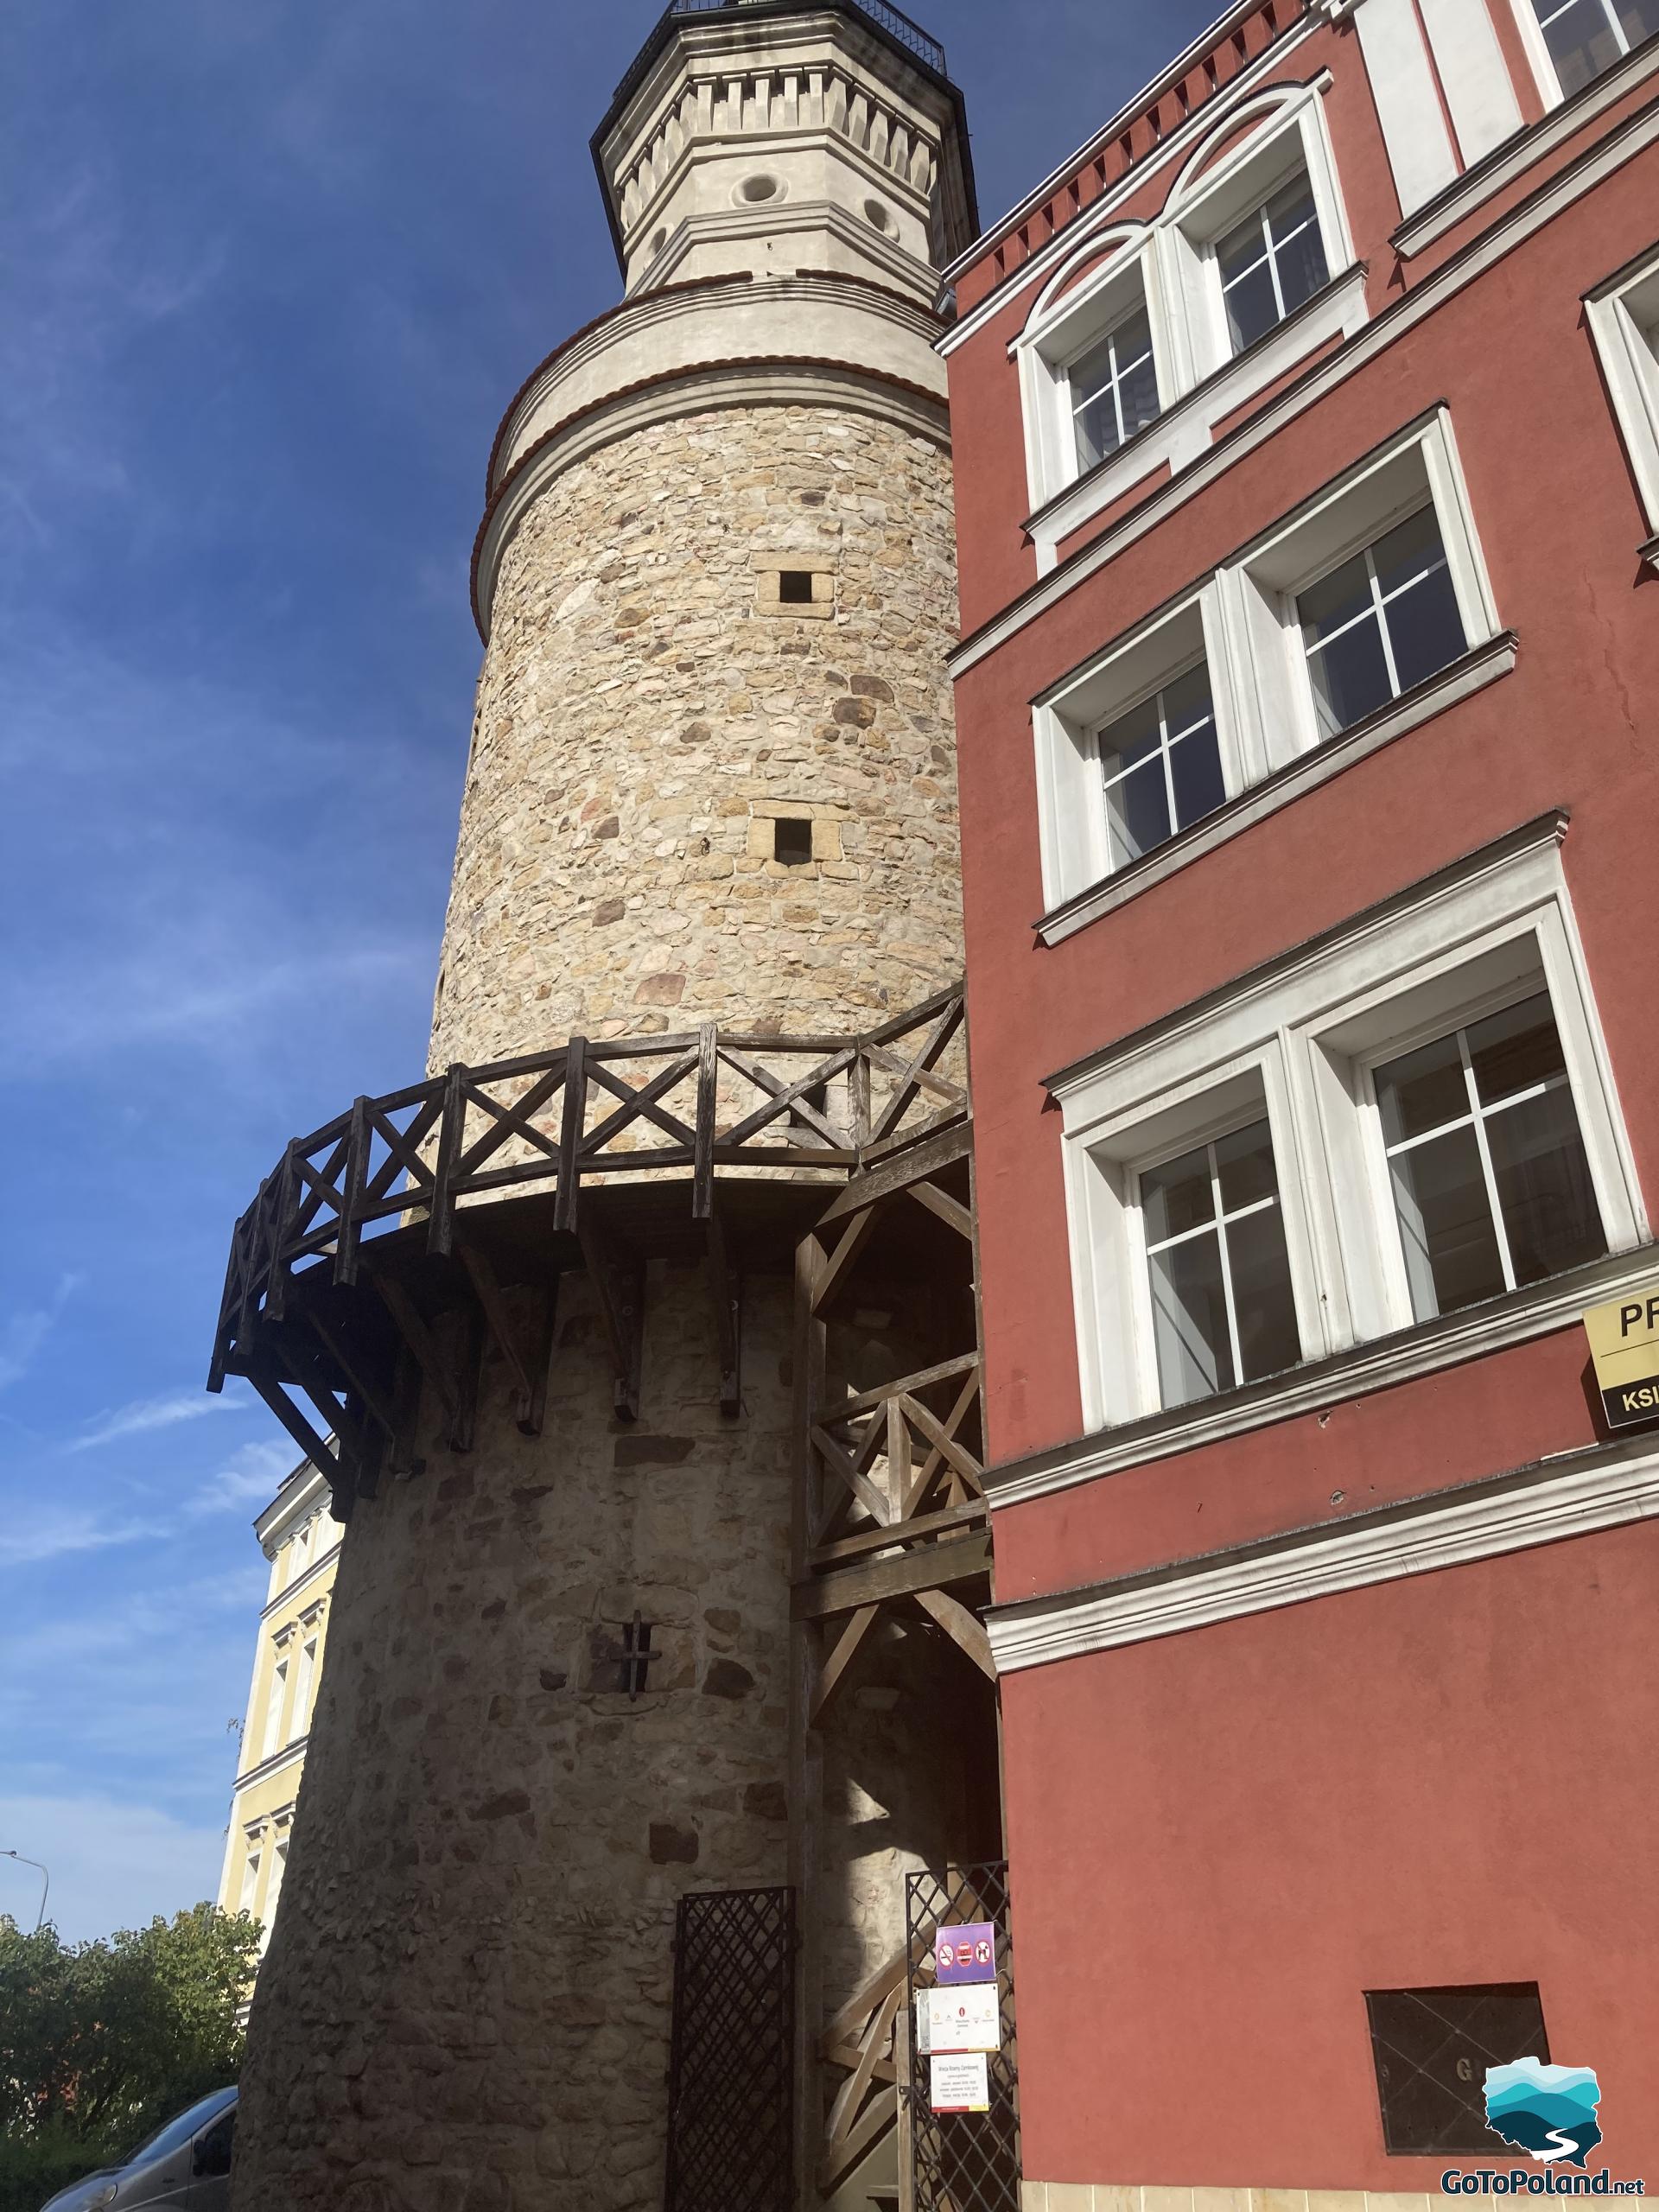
<point>963,2162</point>
<point>732,2072</point>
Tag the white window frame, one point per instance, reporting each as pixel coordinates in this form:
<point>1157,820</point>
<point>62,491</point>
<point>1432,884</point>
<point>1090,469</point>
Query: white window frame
<point>1064,328</point>
<point>1073,834</point>
<point>1624,318</point>
<point>1543,61</point>
<point>1260,590</point>
<point>1164,264</point>
<point>275,1701</point>
<point>1295,1041</point>
<point>304,1688</point>
<point>1242,621</point>
<point>1201,212</point>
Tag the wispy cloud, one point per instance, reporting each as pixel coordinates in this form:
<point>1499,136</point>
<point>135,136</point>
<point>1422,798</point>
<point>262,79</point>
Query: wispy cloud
<point>31,1536</point>
<point>150,1414</point>
<point>23,1334</point>
<point>251,1478</point>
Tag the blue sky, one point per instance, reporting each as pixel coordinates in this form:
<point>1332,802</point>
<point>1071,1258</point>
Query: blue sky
<point>269,273</point>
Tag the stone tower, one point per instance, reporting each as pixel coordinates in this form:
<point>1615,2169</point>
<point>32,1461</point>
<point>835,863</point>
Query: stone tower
<point>708,833</point>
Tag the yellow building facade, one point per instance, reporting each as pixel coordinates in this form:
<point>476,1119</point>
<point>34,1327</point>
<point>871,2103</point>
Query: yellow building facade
<point>302,1541</point>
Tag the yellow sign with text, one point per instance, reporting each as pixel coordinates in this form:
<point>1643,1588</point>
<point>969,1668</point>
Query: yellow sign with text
<point>1625,1344</point>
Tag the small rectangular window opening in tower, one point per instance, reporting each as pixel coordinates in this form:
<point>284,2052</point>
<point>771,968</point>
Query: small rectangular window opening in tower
<point>793,841</point>
<point>637,1656</point>
<point>795,586</point>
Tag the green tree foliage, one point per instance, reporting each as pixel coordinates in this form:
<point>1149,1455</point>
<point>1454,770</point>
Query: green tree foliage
<point>100,2044</point>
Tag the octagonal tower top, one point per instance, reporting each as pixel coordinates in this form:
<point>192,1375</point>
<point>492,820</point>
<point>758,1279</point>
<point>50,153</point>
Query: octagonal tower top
<point>778,137</point>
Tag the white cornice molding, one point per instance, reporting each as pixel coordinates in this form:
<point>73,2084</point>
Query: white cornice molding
<point>1517,1319</point>
<point>650,314</point>
<point>1544,1505</point>
<point>305,1491</point>
<point>290,1755</point>
<point>323,1564</point>
<point>1394,323</point>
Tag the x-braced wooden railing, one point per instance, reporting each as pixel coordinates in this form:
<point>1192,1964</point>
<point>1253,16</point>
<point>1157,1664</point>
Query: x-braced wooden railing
<point>708,1106</point>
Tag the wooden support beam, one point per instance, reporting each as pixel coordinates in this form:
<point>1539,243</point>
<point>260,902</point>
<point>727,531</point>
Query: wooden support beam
<point>841,2156</point>
<point>264,1370</point>
<point>943,1207</point>
<point>960,1626</point>
<point>406,1394</point>
<point>575,1115</point>
<point>873,2047</point>
<point>472,1343</point>
<point>542,1361</point>
<point>874,1501</point>
<point>897,1457</point>
<point>702,1174</point>
<point>727,1289</point>
<point>911,1385</point>
<point>440,1221</point>
<point>848,1548</point>
<point>852,1242</point>
<point>897,1174</point>
<point>924,1567</point>
<point>351,1181</point>
<point>833,1676</point>
<point>944,1442</point>
<point>380,1403</point>
<point>520,1364</point>
<point>618,1279</point>
<point>438,1370</point>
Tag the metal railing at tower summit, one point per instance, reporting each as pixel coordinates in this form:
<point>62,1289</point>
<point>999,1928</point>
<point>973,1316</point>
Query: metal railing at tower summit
<point>893,21</point>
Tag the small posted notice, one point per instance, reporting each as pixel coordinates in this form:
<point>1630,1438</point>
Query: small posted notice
<point>960,2083</point>
<point>964,2019</point>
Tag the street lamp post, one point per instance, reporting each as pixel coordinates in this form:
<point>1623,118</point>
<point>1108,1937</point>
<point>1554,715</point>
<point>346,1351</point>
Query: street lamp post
<point>46,1883</point>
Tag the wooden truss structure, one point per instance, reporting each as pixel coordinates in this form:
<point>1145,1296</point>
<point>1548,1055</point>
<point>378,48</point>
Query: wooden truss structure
<point>369,1267</point>
<point>382,1263</point>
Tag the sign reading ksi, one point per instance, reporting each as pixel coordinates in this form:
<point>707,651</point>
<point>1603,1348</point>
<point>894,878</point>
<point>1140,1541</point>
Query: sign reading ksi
<point>1625,1344</point>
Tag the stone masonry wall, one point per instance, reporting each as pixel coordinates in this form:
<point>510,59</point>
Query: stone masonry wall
<point>647,709</point>
<point>466,2007</point>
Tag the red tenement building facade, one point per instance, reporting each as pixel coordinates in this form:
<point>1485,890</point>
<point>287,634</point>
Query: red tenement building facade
<point>1307,450</point>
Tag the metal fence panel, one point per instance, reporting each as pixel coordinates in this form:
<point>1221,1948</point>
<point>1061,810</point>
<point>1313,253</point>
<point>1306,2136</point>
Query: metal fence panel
<point>731,2144</point>
<point>963,2162</point>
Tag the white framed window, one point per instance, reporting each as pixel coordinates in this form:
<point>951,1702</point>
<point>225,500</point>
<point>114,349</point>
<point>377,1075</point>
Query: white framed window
<point>274,1700</point>
<point>273,1892</point>
<point>1093,364</point>
<point>1484,1159</point>
<point>1379,622</point>
<point>1271,263</point>
<point>1573,41</point>
<point>1374,586</point>
<point>1112,388</point>
<point>302,1689</point>
<point>1359,599</point>
<point>1221,1307</point>
<point>249,1879</point>
<point>1140,315</point>
<point>1624,318</point>
<point>1136,748</point>
<point>1413,1117</point>
<point>1253,237</point>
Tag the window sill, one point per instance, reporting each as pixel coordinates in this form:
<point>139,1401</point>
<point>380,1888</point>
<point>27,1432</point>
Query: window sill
<point>1504,163</point>
<point>1461,680</point>
<point>1541,1310</point>
<point>1650,553</point>
<point>1186,430</point>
